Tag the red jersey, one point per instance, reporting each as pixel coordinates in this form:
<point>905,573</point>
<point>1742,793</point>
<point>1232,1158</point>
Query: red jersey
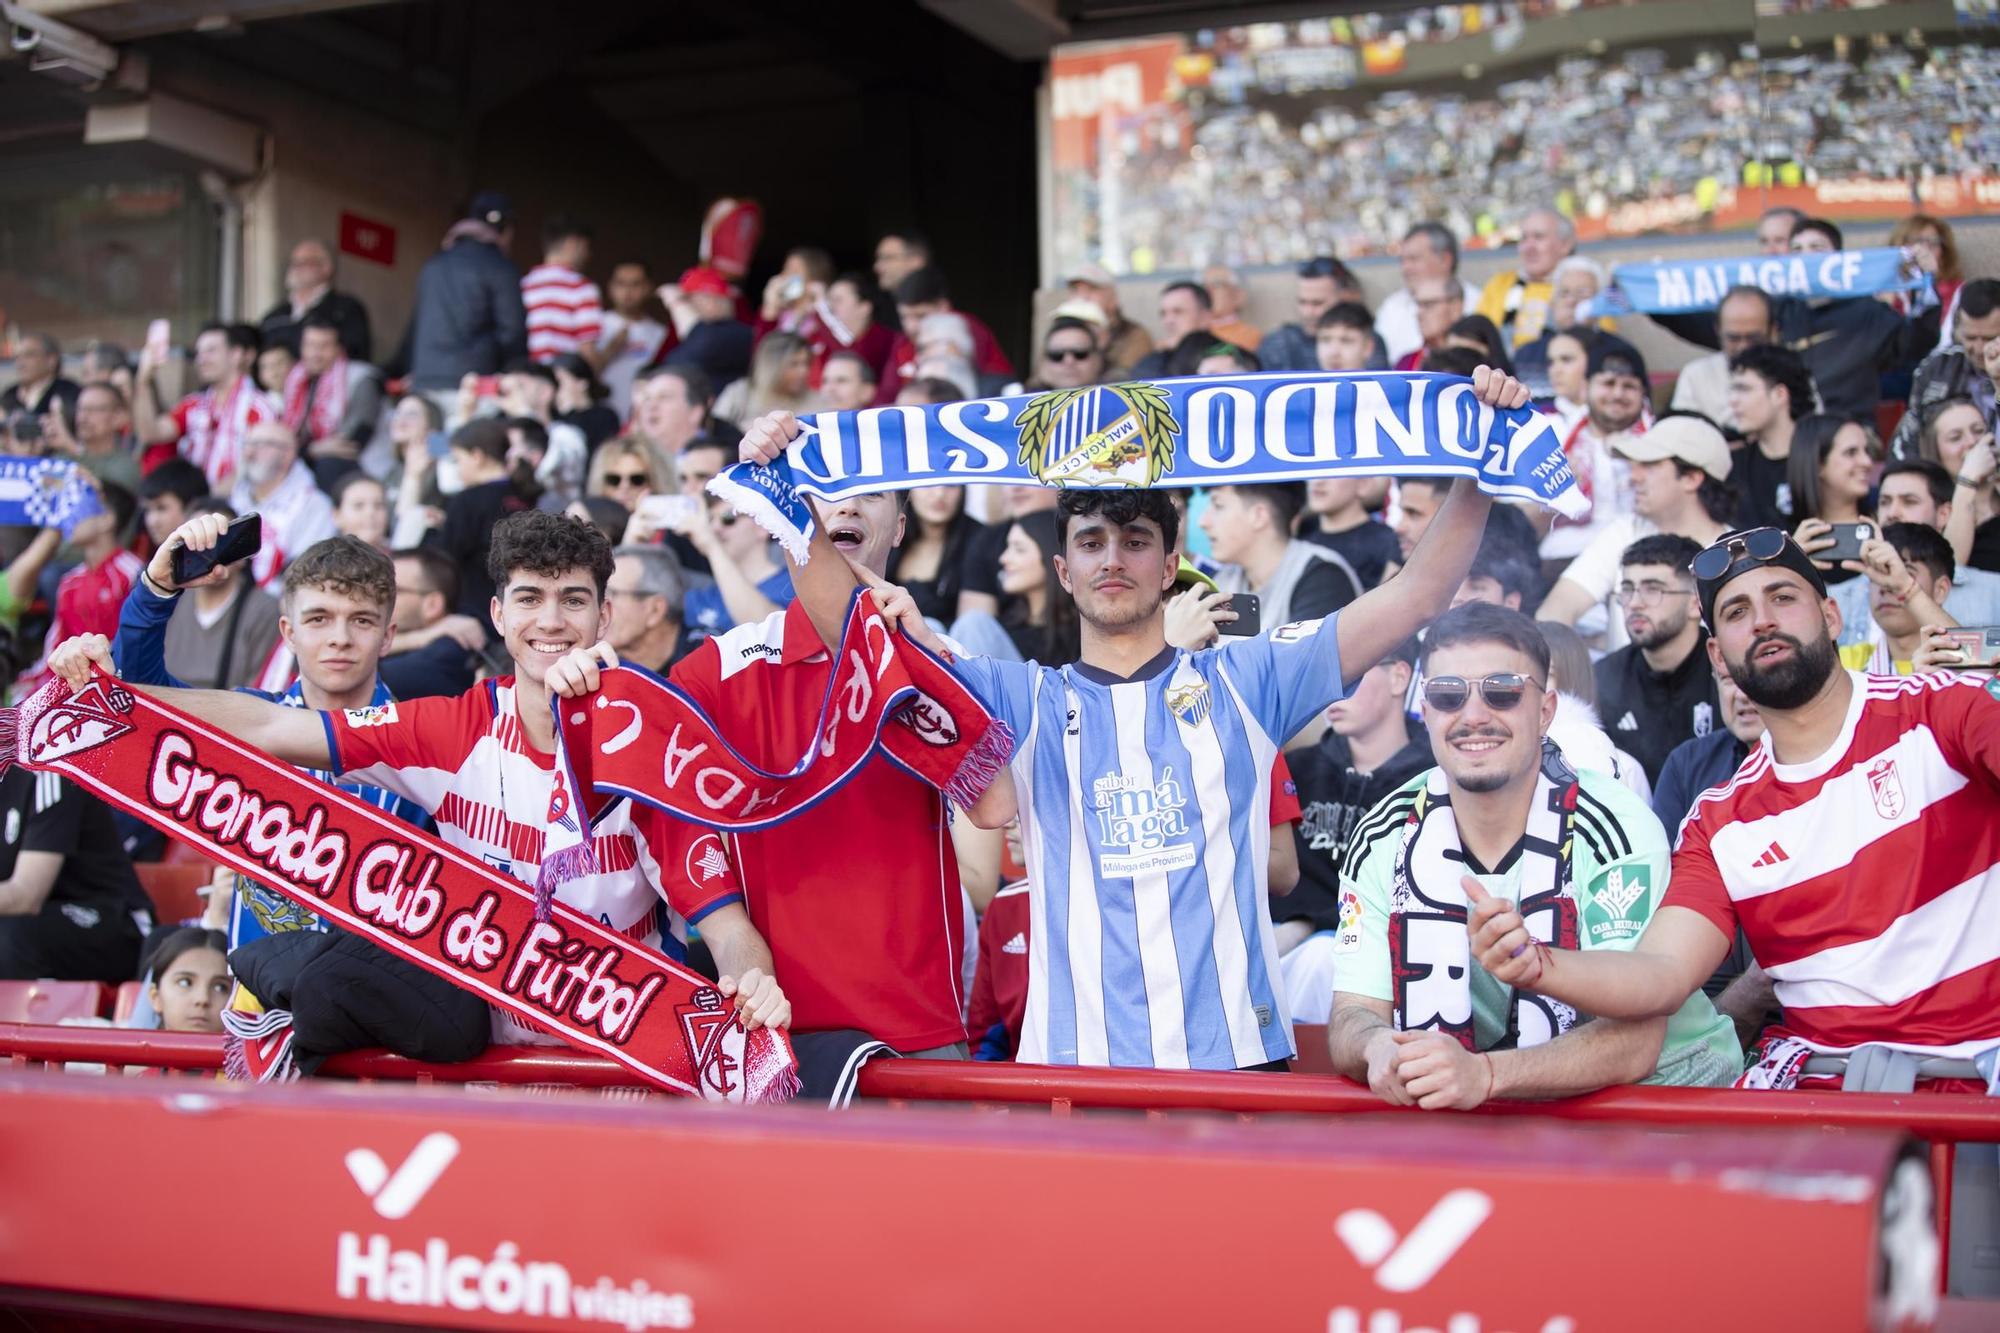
<point>1867,881</point>
<point>88,599</point>
<point>468,761</point>
<point>858,897</point>
<point>987,358</point>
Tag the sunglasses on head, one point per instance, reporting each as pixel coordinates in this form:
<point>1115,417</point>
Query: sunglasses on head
<point>626,479</point>
<point>1322,268</point>
<point>1502,691</point>
<point>1757,543</point>
<point>1068,353</point>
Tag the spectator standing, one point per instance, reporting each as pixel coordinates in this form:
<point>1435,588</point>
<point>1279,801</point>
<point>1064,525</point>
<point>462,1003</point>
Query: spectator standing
<point>309,291</point>
<point>712,338</point>
<point>39,386</point>
<point>1657,690</point>
<point>1679,473</point>
<point>1340,522</point>
<point>1226,294</point>
<point>925,292</point>
<point>1504,814</point>
<point>276,483</point>
<point>563,309</point>
<point>1249,529</point>
<point>1323,282</point>
<point>333,404</point>
<point>631,340</point>
<point>1518,300</point>
<point>1428,254</point>
<point>1746,318</point>
<point>468,318</point>
<point>1125,344</point>
<point>643,599</point>
<point>207,427</point>
<point>1770,390</point>
<point>1957,371</point>
<point>433,651</point>
<point>102,440</point>
<point>899,254</point>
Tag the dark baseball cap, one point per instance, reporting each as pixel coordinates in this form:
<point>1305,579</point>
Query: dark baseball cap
<point>1735,554</point>
<point>1613,355</point>
<point>491,207</point>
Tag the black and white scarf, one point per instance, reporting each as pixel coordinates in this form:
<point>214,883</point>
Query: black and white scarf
<point>1430,955</point>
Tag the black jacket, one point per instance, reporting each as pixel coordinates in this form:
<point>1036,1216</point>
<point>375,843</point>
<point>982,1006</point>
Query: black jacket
<point>1847,345</point>
<point>279,328</point>
<point>468,320</point>
<point>1333,797</point>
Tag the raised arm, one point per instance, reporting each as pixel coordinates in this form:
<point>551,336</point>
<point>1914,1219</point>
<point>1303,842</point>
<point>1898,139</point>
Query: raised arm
<point>1386,615</point>
<point>824,585</point>
<point>293,735</point>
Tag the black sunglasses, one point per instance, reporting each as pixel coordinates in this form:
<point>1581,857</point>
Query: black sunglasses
<point>1757,543</point>
<point>1069,353</point>
<point>626,479</point>
<point>1322,268</point>
<point>1502,691</point>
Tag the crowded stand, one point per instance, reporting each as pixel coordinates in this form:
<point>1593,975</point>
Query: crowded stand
<point>1684,774</point>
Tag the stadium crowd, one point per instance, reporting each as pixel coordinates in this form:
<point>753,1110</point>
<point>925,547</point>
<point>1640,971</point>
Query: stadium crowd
<point>1691,788</point>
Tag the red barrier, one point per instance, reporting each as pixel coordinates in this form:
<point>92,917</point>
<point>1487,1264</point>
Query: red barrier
<point>418,1206</point>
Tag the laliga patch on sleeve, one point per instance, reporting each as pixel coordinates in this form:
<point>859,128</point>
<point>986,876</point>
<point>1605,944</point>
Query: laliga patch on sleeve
<point>1295,631</point>
<point>375,715</point>
<point>1347,934</point>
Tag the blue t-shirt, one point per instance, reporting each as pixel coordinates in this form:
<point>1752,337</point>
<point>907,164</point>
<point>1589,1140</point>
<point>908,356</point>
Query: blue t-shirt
<point>1145,825</point>
<point>703,610</point>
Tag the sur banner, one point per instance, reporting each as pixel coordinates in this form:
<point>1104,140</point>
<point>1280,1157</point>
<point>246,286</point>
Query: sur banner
<point>1668,288</point>
<point>1206,431</point>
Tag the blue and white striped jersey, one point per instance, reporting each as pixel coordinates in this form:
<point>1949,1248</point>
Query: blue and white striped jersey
<point>1145,823</point>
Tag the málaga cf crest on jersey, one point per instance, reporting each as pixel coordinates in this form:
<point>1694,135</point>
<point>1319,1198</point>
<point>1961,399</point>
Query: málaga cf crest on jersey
<point>1203,431</point>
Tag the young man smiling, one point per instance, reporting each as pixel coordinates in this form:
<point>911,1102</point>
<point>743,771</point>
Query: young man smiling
<point>1141,776</point>
<point>484,764</point>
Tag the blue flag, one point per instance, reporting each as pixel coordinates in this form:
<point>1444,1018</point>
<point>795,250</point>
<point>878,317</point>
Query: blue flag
<point>45,493</point>
<point>1207,431</point>
<point>1668,288</point>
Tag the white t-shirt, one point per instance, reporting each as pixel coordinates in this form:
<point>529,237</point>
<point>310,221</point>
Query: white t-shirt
<point>642,344</point>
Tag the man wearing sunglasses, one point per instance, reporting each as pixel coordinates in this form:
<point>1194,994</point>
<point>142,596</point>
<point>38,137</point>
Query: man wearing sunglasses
<point>1853,848</point>
<point>1502,812</point>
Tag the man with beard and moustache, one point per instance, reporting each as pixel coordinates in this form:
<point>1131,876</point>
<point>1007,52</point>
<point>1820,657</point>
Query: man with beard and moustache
<point>1410,1017</point>
<point>1850,848</point>
<point>1657,690</point>
<point>1143,777</point>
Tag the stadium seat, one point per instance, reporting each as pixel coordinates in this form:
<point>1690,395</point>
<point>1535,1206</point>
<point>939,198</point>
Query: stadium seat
<point>173,885</point>
<point>52,1001</point>
<point>1888,413</point>
<point>1313,1057</point>
<point>127,1001</point>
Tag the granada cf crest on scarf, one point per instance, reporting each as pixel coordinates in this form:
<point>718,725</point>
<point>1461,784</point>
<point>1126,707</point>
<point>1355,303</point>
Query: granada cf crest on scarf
<point>715,1039</point>
<point>1108,435</point>
<point>93,715</point>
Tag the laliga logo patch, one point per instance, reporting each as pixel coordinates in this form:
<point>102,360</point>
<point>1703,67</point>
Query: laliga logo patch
<point>90,718</point>
<point>1108,435</point>
<point>928,718</point>
<point>1189,702</point>
<point>715,1039</point>
<point>374,715</point>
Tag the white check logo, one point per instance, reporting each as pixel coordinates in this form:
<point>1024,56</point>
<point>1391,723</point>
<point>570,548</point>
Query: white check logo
<point>395,1195</point>
<point>1432,1242</point>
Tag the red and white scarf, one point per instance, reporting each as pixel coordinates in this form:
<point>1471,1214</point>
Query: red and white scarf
<point>329,401</point>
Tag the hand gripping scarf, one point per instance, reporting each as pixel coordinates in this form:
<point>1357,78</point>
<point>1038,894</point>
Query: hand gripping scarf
<point>1429,953</point>
<point>1205,431</point>
<point>642,737</point>
<point>399,887</point>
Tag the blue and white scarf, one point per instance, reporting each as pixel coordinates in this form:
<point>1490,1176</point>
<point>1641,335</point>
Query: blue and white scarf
<point>1677,287</point>
<point>45,493</point>
<point>1207,431</point>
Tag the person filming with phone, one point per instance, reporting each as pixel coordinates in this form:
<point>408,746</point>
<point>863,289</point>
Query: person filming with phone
<point>1829,480</point>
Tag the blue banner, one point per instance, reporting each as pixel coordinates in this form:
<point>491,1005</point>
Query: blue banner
<point>1669,288</point>
<point>45,493</point>
<point>1207,431</point>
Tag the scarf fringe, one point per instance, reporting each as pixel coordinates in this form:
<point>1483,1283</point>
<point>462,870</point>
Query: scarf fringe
<point>783,1088</point>
<point>982,765</point>
<point>10,738</point>
<point>559,868</point>
<point>271,1063</point>
<point>766,503</point>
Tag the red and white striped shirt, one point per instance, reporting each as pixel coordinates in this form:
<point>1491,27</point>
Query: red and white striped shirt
<point>209,431</point>
<point>1867,881</point>
<point>565,311</point>
<point>468,761</point>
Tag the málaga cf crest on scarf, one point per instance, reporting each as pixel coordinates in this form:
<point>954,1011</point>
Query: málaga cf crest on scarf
<point>1207,431</point>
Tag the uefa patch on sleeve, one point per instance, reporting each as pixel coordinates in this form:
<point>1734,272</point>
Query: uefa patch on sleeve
<point>1347,934</point>
<point>1618,904</point>
<point>375,715</point>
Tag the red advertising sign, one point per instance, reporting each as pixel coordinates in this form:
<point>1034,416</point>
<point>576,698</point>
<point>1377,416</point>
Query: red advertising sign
<point>503,1212</point>
<point>366,238</point>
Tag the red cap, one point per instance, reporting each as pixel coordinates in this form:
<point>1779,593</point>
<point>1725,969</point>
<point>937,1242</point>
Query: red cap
<point>703,279</point>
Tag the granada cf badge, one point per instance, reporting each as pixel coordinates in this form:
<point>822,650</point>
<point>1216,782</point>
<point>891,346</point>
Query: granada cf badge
<point>715,1040</point>
<point>87,719</point>
<point>1887,788</point>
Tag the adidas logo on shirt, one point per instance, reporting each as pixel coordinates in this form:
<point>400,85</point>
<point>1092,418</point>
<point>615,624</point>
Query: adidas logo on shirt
<point>1628,723</point>
<point>1773,855</point>
<point>1019,944</point>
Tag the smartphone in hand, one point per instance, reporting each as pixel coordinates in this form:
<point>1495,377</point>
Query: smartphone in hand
<point>1979,643</point>
<point>240,540</point>
<point>1848,539</point>
<point>1249,615</point>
